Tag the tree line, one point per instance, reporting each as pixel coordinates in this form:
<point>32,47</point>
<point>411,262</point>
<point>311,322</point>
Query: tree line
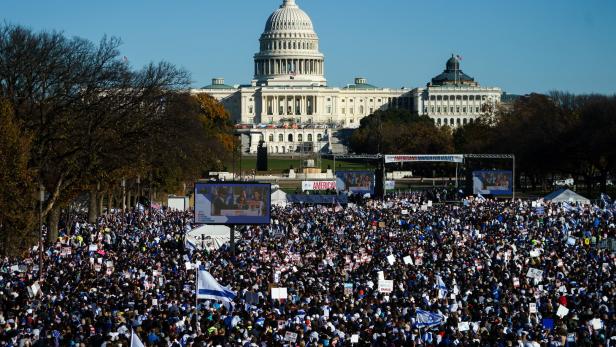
<point>551,135</point>
<point>76,118</point>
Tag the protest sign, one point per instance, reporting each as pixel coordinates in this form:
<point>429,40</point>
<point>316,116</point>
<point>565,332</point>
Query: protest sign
<point>408,260</point>
<point>290,336</point>
<point>535,273</point>
<point>279,293</point>
<point>562,311</point>
<point>386,286</point>
<point>348,289</point>
<point>391,259</point>
<point>463,326</point>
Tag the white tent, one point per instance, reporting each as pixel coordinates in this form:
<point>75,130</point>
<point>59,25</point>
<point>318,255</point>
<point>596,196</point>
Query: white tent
<point>210,237</point>
<point>566,195</point>
<point>279,198</point>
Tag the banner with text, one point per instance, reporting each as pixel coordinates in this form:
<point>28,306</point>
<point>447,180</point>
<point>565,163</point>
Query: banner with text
<point>404,158</point>
<point>318,185</point>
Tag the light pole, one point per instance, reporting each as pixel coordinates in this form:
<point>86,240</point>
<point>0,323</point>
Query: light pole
<point>40,243</point>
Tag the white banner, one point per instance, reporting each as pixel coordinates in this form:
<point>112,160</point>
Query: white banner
<point>390,185</point>
<point>403,158</point>
<point>318,185</point>
<point>386,286</point>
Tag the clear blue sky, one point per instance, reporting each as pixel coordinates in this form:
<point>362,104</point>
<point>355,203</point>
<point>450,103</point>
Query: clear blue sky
<point>521,46</point>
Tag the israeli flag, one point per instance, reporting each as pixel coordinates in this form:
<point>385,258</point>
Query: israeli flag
<point>442,289</point>
<point>191,247</point>
<point>606,199</point>
<point>209,288</point>
<point>425,319</point>
<point>134,340</point>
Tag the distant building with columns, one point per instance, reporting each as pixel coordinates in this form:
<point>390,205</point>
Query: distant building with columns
<point>289,106</point>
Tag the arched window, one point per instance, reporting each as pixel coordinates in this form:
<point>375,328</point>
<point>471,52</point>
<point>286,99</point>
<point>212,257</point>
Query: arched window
<point>300,138</point>
<point>309,137</point>
<point>464,121</point>
<point>451,121</point>
<point>280,137</point>
<point>361,109</point>
<point>439,122</point>
<point>271,138</point>
<point>290,138</point>
<point>319,137</point>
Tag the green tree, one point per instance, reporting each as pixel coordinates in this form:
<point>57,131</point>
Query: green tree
<point>400,131</point>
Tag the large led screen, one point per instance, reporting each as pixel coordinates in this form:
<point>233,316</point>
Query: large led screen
<point>232,203</point>
<point>492,182</point>
<point>356,182</point>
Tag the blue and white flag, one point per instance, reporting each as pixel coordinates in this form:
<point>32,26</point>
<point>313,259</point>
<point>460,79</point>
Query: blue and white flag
<point>134,340</point>
<point>425,319</point>
<point>480,197</point>
<point>442,289</point>
<point>209,288</point>
<point>606,199</point>
<point>191,247</point>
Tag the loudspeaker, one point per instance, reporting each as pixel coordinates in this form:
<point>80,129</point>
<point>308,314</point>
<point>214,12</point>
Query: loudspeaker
<point>262,157</point>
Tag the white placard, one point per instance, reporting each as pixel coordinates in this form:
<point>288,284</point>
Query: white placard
<point>381,275</point>
<point>516,282</point>
<point>386,286</point>
<point>562,311</point>
<point>408,260</point>
<point>391,259</point>
<point>463,326</point>
<point>597,324</point>
<point>279,293</point>
<point>355,338</point>
<point>290,336</point>
<point>534,253</point>
<point>532,307</point>
<point>92,248</point>
<point>535,273</point>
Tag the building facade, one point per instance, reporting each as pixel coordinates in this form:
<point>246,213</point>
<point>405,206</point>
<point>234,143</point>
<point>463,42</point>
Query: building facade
<point>290,107</point>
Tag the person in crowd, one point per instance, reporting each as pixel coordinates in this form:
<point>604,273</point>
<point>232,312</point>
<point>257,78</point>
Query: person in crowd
<point>489,273</point>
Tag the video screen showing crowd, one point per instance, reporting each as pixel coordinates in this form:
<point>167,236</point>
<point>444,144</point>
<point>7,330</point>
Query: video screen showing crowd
<point>402,271</point>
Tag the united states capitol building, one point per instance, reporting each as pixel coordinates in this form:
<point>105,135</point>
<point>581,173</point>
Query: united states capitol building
<point>289,106</point>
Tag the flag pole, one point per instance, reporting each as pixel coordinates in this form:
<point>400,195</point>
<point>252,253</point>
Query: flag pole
<point>197,327</point>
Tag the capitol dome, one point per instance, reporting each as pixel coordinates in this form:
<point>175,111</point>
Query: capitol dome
<point>289,50</point>
<point>289,17</point>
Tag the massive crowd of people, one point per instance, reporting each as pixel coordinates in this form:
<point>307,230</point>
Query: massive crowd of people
<point>488,273</point>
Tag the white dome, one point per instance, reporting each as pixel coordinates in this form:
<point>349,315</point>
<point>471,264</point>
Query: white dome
<point>289,17</point>
<point>289,50</point>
